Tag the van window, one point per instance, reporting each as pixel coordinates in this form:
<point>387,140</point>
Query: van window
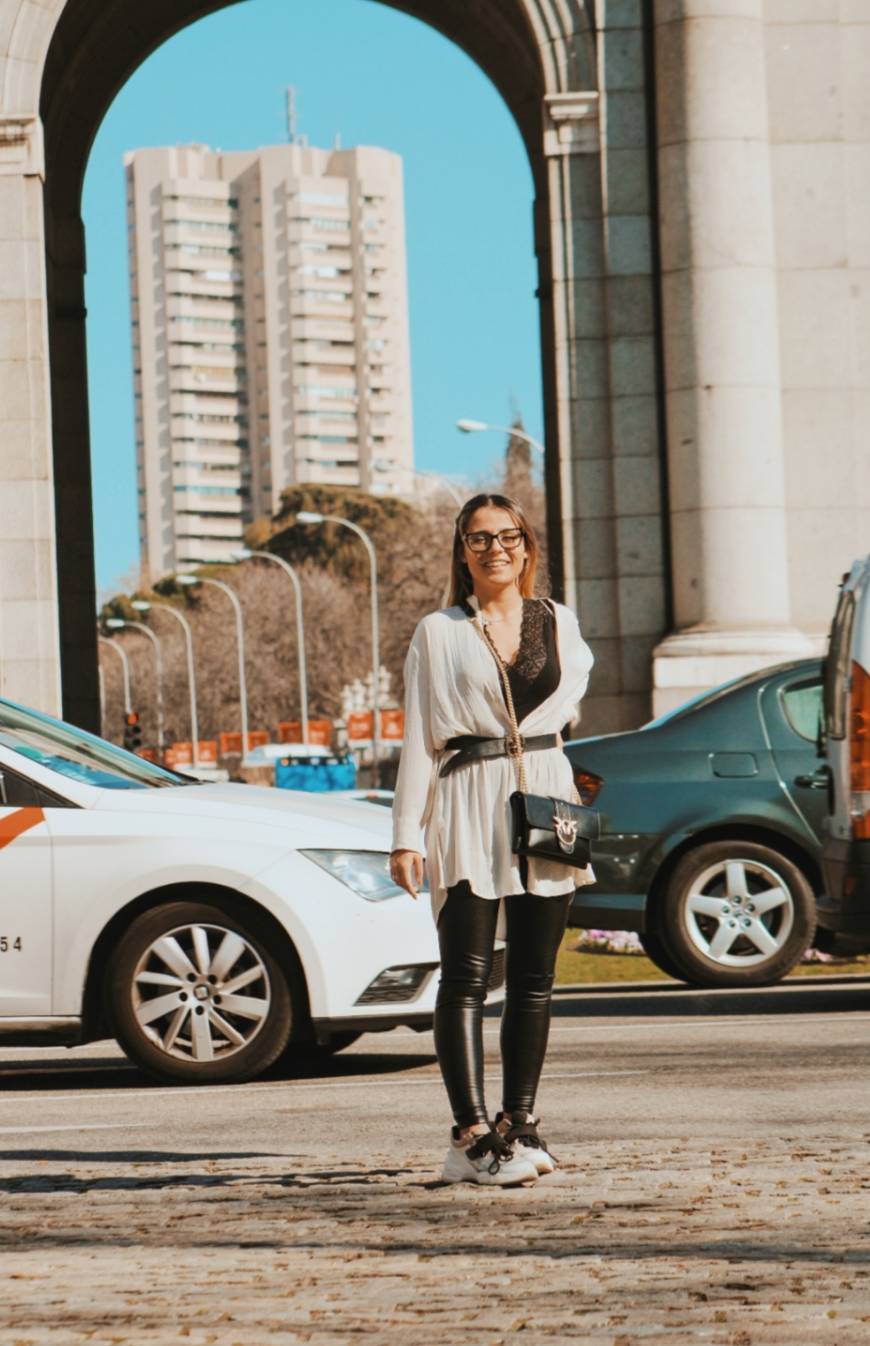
<point>803,708</point>
<point>837,663</point>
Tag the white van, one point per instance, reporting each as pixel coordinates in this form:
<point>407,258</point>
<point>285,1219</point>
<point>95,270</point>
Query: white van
<point>845,908</point>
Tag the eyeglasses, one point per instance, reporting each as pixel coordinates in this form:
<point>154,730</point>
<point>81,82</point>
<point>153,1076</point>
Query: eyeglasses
<point>508,538</point>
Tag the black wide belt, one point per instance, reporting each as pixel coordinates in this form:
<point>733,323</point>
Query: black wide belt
<point>472,748</point>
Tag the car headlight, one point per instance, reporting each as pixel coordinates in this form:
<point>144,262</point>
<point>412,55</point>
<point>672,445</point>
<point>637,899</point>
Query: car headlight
<point>366,872</point>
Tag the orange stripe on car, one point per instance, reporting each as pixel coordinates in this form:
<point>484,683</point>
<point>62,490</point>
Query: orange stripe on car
<point>20,821</point>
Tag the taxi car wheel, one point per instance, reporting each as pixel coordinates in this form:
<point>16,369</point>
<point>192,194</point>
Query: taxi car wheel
<point>736,913</point>
<point>196,997</point>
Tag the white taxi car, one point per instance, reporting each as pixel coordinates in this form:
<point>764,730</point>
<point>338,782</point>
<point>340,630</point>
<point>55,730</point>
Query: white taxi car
<point>209,928</point>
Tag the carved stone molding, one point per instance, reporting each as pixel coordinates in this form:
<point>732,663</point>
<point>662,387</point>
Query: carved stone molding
<point>21,145</point>
<point>571,123</point>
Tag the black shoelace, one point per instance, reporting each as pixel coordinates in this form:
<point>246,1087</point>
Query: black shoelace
<point>493,1143</point>
<point>526,1133</point>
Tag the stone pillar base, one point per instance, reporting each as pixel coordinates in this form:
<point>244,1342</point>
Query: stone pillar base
<point>700,658</point>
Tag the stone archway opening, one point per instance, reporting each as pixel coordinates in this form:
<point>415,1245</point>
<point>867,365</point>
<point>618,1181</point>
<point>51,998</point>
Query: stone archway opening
<point>93,51</point>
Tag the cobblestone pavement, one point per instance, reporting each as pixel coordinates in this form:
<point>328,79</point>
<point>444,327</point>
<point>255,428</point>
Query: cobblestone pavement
<point>723,1246</point>
<point>759,1237</point>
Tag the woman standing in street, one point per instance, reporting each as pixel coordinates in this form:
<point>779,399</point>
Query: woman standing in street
<point>455,782</point>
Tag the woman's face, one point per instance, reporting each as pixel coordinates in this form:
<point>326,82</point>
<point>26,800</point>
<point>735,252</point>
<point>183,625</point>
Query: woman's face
<point>499,565</point>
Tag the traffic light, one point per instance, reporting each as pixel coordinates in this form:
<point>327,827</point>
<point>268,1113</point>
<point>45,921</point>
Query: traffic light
<point>132,731</point>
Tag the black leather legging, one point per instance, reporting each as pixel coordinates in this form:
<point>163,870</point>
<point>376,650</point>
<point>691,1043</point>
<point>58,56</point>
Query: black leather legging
<point>466,934</point>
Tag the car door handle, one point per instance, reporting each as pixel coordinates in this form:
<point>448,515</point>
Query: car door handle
<point>819,780</point>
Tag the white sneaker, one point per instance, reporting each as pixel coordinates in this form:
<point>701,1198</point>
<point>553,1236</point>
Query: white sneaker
<point>520,1130</point>
<point>489,1160</point>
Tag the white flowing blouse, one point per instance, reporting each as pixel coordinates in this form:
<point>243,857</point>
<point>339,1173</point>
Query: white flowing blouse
<point>461,822</point>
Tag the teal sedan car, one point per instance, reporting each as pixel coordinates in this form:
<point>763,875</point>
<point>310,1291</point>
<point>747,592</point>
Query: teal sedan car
<point>712,829</point>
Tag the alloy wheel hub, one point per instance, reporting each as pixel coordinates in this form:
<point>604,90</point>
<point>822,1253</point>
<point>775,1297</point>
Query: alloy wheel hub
<point>201,992</point>
<point>739,913</point>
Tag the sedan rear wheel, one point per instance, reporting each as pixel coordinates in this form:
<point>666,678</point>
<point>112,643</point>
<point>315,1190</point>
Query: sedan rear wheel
<point>736,913</point>
<point>196,996</point>
<point>656,951</point>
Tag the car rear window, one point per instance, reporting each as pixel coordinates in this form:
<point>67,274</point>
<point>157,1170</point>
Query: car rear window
<point>803,708</point>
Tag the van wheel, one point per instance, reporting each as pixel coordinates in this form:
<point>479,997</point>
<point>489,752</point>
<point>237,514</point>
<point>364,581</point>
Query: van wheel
<point>736,913</point>
<point>196,997</point>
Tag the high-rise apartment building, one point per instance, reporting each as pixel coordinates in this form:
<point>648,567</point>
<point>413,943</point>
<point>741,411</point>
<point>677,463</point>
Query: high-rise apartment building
<point>270,336</point>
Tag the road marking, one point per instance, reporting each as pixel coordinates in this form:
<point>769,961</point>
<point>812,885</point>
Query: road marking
<point>696,1021</point>
<point>85,1126</point>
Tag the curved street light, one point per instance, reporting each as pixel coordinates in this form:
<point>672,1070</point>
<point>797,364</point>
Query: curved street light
<point>125,664</point>
<point>469,427</point>
<point>309,516</point>
<point>245,554</point>
<point>240,640</point>
<point>117,623</point>
<point>141,606</point>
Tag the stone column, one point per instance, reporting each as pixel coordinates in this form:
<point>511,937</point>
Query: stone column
<point>29,646</point>
<point>597,148</point>
<point>721,338</point>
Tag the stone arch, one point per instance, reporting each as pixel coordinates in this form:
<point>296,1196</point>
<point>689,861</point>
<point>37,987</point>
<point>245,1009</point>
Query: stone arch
<point>65,62</point>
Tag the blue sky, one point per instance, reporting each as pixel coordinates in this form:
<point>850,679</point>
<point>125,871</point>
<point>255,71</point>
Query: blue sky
<point>376,77</point>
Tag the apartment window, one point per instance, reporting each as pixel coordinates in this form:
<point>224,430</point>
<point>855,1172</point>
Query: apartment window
<point>203,250</point>
<point>206,490</point>
<point>324,198</point>
<point>317,390</point>
<point>214,225</point>
<point>195,321</point>
<point>324,272</point>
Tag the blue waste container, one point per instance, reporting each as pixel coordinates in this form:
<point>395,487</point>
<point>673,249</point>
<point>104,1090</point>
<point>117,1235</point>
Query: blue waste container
<point>315,774</point>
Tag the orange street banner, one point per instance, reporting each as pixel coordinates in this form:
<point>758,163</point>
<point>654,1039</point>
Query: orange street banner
<point>206,752</point>
<point>392,725</point>
<point>290,731</point>
<point>182,754</point>
<point>230,744</point>
<point>257,738</point>
<point>320,732</point>
<point>360,726</point>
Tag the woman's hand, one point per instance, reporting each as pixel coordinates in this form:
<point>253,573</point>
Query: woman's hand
<point>406,869</point>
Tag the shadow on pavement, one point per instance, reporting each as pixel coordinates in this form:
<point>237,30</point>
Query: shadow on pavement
<point>45,1184</point>
<point>133,1156</point>
<point>55,1076</point>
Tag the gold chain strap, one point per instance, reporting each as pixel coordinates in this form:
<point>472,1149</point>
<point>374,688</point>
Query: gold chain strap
<point>515,738</point>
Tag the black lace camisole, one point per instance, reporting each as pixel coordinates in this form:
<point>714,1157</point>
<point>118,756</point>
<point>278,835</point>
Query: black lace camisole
<point>535,672</point>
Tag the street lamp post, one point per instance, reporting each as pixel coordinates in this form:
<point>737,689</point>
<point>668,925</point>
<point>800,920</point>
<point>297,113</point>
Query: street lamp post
<point>141,606</point>
<point>469,427</point>
<point>243,554</point>
<point>117,623</point>
<point>240,640</point>
<point>125,664</point>
<point>308,516</point>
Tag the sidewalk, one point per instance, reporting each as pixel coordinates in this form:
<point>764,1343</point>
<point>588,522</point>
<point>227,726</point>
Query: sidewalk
<point>739,1243</point>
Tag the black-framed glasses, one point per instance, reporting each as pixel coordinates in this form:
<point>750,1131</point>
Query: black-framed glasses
<point>508,538</point>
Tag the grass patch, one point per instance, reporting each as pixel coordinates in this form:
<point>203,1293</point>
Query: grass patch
<point>594,967</point>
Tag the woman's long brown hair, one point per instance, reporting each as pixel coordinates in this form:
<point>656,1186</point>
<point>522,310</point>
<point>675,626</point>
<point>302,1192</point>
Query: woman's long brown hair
<point>460,586</point>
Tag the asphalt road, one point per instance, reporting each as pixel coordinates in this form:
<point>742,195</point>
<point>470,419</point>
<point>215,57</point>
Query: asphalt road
<point>713,1188</point>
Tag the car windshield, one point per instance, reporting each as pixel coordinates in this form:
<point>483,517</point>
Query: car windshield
<point>77,754</point>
